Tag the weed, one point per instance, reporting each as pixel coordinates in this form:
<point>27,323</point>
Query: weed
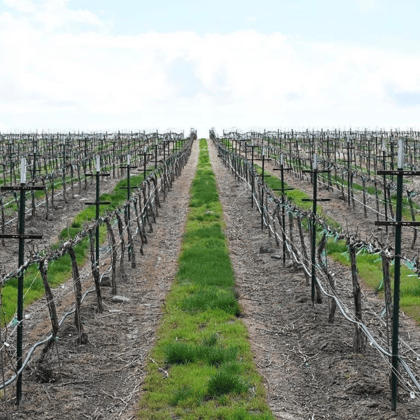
<point>227,380</point>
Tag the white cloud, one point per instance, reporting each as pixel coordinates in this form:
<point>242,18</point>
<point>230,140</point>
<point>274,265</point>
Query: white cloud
<point>367,5</point>
<point>63,69</point>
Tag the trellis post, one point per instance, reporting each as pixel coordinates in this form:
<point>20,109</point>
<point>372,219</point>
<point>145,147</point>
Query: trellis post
<point>97,203</point>
<point>315,171</point>
<point>145,154</point>
<point>283,201</point>
<point>22,237</point>
<point>252,146</point>
<point>398,224</point>
<point>128,188</point>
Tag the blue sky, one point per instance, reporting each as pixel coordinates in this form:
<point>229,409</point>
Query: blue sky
<point>73,64</point>
<point>364,22</point>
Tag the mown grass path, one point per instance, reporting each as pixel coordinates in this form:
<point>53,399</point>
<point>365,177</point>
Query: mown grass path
<point>202,366</point>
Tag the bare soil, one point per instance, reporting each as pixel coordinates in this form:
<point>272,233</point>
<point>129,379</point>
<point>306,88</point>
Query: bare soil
<point>309,366</point>
<point>102,379</point>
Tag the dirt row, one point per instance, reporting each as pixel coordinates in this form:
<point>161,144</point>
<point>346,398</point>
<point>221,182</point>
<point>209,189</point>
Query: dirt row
<point>103,379</point>
<point>309,367</point>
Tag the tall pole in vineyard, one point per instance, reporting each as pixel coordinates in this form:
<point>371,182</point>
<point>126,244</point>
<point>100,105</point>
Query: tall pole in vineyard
<point>283,202</point>
<point>384,156</point>
<point>349,162</point>
<point>263,176</point>
<point>21,236</point>
<point>128,188</point>
<point>315,171</point>
<point>145,154</point>
<point>397,273</point>
<point>252,146</point>
<point>97,203</point>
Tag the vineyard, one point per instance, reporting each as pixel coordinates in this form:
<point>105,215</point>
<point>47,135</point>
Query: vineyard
<point>258,275</point>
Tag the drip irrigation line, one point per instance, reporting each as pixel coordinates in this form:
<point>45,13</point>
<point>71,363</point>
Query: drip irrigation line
<point>40,343</point>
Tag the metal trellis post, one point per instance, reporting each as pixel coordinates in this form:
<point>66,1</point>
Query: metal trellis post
<point>314,200</point>
<point>397,272</point>
<point>22,237</point>
<point>97,203</point>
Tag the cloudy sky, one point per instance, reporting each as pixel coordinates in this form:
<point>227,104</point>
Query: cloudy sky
<point>135,64</point>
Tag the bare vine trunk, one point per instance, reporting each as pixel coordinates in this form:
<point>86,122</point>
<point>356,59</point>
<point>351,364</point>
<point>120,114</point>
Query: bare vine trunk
<point>121,234</point>
<point>95,271</point>
<point>322,263</point>
<point>51,308</point>
<point>410,195</point>
<point>130,236</point>
<point>83,338</point>
<point>359,343</point>
<point>113,256</point>
<point>304,250</point>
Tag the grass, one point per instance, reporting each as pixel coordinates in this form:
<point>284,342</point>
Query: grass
<point>370,271</point>
<point>60,270</point>
<point>201,343</point>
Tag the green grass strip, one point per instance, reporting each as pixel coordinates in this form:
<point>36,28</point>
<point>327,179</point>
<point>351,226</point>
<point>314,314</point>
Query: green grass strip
<point>201,343</point>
